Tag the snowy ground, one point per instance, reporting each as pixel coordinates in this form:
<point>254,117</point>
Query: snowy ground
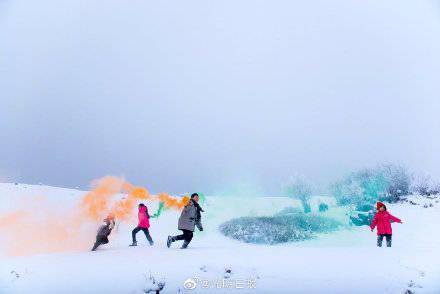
<point>344,262</point>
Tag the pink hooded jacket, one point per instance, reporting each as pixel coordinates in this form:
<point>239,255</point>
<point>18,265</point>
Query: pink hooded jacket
<point>144,218</point>
<point>382,220</point>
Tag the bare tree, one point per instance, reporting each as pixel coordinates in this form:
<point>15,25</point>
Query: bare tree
<point>300,189</point>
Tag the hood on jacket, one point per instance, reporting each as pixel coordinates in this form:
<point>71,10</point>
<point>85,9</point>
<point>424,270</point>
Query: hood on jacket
<point>379,205</point>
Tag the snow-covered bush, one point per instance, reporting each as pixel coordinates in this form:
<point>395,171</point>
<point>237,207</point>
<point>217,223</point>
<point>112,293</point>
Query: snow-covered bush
<point>361,218</point>
<point>279,228</point>
<point>347,191</point>
<point>300,189</point>
<point>364,207</point>
<point>435,189</point>
<point>366,186</point>
<point>398,179</point>
<point>322,207</point>
<point>153,285</point>
<point>423,185</point>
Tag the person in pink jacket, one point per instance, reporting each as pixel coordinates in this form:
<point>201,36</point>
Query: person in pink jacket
<point>143,225</point>
<point>382,220</point>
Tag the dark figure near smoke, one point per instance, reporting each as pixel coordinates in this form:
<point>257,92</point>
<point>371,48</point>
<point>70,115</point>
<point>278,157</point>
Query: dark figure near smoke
<point>143,225</point>
<point>188,220</point>
<point>104,231</point>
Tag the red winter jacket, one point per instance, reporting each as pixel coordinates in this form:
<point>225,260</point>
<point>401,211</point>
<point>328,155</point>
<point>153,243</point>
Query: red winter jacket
<point>382,220</point>
<point>144,218</point>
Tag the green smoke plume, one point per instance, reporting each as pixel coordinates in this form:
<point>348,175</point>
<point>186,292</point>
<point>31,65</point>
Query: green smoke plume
<point>159,210</point>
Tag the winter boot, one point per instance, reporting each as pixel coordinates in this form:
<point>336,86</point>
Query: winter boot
<point>95,246</point>
<point>169,241</point>
<point>184,245</point>
<point>134,244</point>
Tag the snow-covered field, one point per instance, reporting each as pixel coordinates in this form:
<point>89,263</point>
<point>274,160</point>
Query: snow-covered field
<point>347,261</point>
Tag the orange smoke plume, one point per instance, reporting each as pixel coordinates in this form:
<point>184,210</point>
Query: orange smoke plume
<point>96,202</point>
<point>171,202</point>
<point>51,229</point>
<point>42,229</point>
<point>99,202</point>
<point>10,218</point>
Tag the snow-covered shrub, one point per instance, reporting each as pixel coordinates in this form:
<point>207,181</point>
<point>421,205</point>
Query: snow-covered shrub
<point>347,191</point>
<point>300,189</point>
<point>423,185</point>
<point>366,186</point>
<point>279,228</point>
<point>153,285</point>
<point>360,218</point>
<point>435,189</point>
<point>307,207</point>
<point>398,179</point>
<point>322,207</point>
<point>362,214</point>
<point>364,207</point>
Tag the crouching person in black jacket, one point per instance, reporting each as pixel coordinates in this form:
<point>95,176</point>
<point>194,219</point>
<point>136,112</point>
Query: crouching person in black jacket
<point>189,218</point>
<point>104,231</point>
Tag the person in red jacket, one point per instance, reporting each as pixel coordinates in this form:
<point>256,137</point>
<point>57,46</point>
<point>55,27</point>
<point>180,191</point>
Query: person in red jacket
<point>382,220</point>
<point>143,225</point>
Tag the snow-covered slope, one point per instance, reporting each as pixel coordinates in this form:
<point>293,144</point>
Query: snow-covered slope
<point>343,262</point>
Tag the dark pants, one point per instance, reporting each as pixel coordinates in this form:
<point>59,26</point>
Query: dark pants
<point>187,236</point>
<point>146,232</point>
<point>99,241</point>
<point>380,239</point>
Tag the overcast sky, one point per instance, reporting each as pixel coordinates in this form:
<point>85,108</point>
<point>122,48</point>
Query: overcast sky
<point>185,96</point>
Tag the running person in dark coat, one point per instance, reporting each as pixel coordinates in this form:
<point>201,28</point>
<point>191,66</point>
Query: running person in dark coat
<point>104,231</point>
<point>187,221</point>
